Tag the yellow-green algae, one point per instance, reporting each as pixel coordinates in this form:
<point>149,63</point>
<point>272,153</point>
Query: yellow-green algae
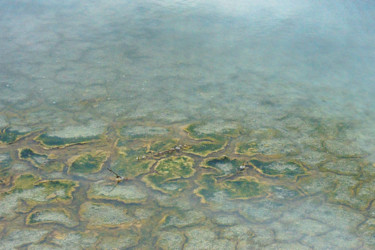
<point>55,141</point>
<point>160,146</point>
<point>206,148</point>
<point>130,163</point>
<point>169,171</point>
<point>41,161</point>
<point>33,191</point>
<point>88,163</point>
<point>52,166</point>
<point>220,180</point>
<point>246,148</point>
<point>212,141</point>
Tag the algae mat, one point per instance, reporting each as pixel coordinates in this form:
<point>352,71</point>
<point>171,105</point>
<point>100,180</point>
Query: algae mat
<point>164,189</point>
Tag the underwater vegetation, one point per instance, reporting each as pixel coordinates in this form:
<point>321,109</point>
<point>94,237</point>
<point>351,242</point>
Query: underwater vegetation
<point>204,184</point>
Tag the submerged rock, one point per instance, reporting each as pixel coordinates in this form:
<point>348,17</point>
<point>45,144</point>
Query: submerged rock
<point>213,130</point>
<point>239,188</point>
<point>238,232</point>
<point>59,216</point>
<point>343,167</point>
<point>17,238</point>
<point>290,169</point>
<point>119,240</point>
<point>5,162</point>
<point>203,238</point>
<point>74,240</point>
<point>263,211</point>
<point>183,219</point>
<point>143,131</point>
<point>170,240</point>
<point>72,135</point>
<point>343,148</point>
<point>123,192</point>
<point>99,214</point>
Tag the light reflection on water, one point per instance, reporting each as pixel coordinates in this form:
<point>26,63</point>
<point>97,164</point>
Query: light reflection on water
<point>293,79</point>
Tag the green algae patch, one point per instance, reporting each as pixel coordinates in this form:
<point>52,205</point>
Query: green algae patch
<point>30,155</point>
<point>224,166</point>
<point>53,166</point>
<point>41,161</point>
<point>32,192</point>
<point>207,187</point>
<point>213,136</point>
<point>246,148</point>
<point>164,145</point>
<point>131,162</point>
<point>104,215</point>
<point>239,188</point>
<point>126,193</point>
<point>289,169</point>
<point>87,163</point>
<point>243,188</point>
<point>9,136</point>
<point>169,172</point>
<point>206,148</point>
<point>56,141</point>
<point>60,190</point>
<point>51,216</point>
<point>25,181</point>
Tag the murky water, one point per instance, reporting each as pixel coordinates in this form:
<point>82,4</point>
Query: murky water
<point>187,124</point>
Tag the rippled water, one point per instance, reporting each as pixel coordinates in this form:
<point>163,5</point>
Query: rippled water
<point>235,125</point>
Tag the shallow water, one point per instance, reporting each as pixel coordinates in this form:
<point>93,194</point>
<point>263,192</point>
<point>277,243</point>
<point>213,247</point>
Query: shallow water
<point>242,125</point>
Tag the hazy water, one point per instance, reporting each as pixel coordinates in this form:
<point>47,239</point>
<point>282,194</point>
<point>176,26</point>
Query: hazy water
<point>261,64</point>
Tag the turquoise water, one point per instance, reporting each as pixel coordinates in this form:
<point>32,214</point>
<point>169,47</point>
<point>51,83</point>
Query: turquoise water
<point>284,89</point>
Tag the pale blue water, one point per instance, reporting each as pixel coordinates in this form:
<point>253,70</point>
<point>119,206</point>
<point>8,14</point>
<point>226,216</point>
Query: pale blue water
<point>301,68</point>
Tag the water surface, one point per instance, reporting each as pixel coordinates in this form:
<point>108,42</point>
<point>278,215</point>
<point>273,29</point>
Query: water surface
<point>176,96</point>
